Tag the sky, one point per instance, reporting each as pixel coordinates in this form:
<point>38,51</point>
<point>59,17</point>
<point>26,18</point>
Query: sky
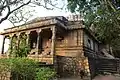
<point>39,12</point>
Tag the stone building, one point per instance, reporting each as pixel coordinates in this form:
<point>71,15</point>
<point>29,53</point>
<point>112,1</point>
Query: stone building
<point>55,40</point>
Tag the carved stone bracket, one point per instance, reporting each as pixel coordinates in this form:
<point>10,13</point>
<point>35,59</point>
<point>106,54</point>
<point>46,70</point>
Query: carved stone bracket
<point>38,30</point>
<point>18,34</point>
<point>11,35</point>
<point>27,32</point>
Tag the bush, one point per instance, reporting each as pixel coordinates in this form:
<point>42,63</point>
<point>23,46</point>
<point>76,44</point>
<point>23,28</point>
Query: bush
<point>24,69</point>
<point>4,69</point>
<point>45,73</point>
<point>18,68</point>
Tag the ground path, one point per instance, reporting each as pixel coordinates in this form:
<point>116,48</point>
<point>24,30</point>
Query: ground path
<point>86,78</point>
<point>74,78</point>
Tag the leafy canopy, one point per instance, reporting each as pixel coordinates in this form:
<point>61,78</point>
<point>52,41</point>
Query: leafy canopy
<point>103,15</point>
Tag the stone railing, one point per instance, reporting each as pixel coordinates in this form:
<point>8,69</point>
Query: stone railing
<point>74,17</point>
<point>4,56</point>
<point>40,58</point>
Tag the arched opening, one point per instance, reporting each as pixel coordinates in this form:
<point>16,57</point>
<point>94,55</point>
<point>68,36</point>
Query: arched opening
<point>23,38</point>
<point>33,39</point>
<point>6,44</point>
<point>46,40</point>
<point>41,44</point>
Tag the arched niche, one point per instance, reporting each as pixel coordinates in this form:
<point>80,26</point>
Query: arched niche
<point>14,42</point>
<point>14,37</point>
<point>45,41</point>
<point>22,38</point>
<point>33,39</point>
<point>6,44</point>
<point>23,35</point>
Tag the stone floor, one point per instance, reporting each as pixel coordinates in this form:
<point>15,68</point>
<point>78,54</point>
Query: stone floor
<point>87,78</point>
<point>74,78</point>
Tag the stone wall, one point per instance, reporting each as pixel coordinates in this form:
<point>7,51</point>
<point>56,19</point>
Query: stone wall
<point>71,66</point>
<point>70,44</point>
<point>89,42</point>
<point>5,76</point>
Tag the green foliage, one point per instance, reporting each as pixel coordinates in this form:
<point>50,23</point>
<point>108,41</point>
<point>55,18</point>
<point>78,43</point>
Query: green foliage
<point>20,50</point>
<point>13,47</point>
<point>106,21</point>
<point>24,69</point>
<point>4,68</point>
<point>20,68</point>
<point>104,15</point>
<point>82,6</point>
<point>45,73</point>
<point>24,48</point>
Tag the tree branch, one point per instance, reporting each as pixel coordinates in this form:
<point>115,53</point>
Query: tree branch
<point>110,4</point>
<point>6,15</point>
<point>9,12</point>
<point>20,6</point>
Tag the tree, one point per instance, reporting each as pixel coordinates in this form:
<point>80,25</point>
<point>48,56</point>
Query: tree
<point>8,7</point>
<point>104,15</point>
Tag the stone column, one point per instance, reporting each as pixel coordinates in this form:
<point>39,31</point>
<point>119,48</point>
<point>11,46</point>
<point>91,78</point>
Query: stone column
<point>53,40</point>
<point>38,40</point>
<point>11,38</point>
<point>3,45</point>
<point>28,37</point>
<point>18,41</point>
<point>28,41</point>
<point>53,48</point>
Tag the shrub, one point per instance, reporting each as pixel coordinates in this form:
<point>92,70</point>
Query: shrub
<point>18,68</point>
<point>45,73</point>
<point>24,69</point>
<point>4,69</point>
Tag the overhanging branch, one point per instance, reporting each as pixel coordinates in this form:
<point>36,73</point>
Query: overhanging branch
<point>10,12</point>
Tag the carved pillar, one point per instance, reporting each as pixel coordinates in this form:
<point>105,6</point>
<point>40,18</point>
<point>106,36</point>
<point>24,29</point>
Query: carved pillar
<point>18,41</point>
<point>38,41</point>
<point>53,48</point>
<point>53,40</point>
<point>3,45</point>
<point>28,38</point>
<point>11,38</point>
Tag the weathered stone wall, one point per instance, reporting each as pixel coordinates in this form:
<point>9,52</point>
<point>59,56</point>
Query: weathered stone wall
<point>70,54</point>
<point>90,42</point>
<point>5,76</point>
<point>71,66</point>
<point>70,44</point>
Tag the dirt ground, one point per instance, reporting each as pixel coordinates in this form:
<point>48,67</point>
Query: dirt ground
<point>74,78</point>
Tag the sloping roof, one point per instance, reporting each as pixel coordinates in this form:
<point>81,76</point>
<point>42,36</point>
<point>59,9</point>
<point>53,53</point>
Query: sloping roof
<point>45,21</point>
<point>37,23</point>
<point>60,19</point>
<point>38,19</point>
<point>41,19</point>
<point>40,22</point>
